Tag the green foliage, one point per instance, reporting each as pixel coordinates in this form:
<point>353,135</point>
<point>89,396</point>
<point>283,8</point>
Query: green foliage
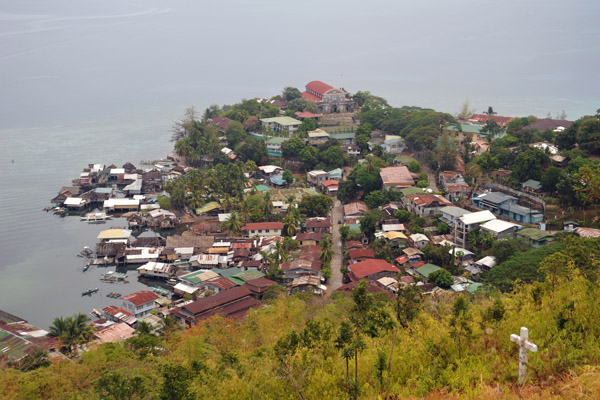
<point>164,202</point>
<point>315,205</point>
<point>344,231</point>
<point>414,166</point>
<point>291,93</point>
<point>293,147</point>
<point>176,383</point>
<point>252,149</point>
<point>529,165</point>
<point>441,278</point>
<point>443,228</point>
<point>235,133</point>
<point>307,125</point>
<point>72,331</point>
<point>447,152</point>
<point>122,384</point>
<point>588,135</point>
<point>503,249</point>
<point>370,221</point>
<point>403,215</point>
<point>521,266</point>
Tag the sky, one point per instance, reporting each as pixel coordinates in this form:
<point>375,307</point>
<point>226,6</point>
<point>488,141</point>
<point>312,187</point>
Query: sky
<point>96,61</point>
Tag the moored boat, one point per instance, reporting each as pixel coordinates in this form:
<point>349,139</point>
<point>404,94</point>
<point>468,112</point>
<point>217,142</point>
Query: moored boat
<point>89,292</point>
<point>95,217</point>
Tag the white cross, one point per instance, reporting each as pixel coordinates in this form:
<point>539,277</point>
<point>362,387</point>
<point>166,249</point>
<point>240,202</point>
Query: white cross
<point>524,346</point>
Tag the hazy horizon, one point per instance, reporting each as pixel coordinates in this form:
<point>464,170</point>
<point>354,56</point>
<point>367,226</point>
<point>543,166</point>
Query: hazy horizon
<point>109,60</point>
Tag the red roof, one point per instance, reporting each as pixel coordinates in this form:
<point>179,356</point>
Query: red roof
<point>482,118</point>
<point>418,264</point>
<point>318,222</point>
<point>310,96</point>
<point>318,87</point>
<point>353,244</point>
<point>206,303</point>
<point>402,260</point>
<point>222,283</point>
<point>361,253</point>
<point>309,236</point>
<point>141,297</point>
<point>369,267</point>
<point>356,208</point>
<point>259,285</point>
<point>330,182</point>
<point>306,114</point>
<point>262,225</point>
<point>241,246</point>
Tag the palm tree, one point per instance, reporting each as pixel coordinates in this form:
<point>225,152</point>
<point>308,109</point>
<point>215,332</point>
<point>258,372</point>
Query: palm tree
<point>246,210</point>
<point>72,331</point>
<point>143,328</point>
<point>326,252</point>
<point>490,111</point>
<point>293,219</point>
<point>233,223</point>
<point>268,205</point>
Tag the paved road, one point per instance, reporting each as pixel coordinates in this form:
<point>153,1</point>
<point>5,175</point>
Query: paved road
<point>431,176</point>
<point>336,275</point>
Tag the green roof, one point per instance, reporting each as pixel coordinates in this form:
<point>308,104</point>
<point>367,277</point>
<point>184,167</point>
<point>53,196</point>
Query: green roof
<point>213,205</point>
<point>262,188</point>
<point>237,280</point>
<point>285,121</point>
<point>532,183</point>
<point>342,135</point>
<point>535,234</point>
<point>428,269</point>
<point>227,272</point>
<point>474,287</point>
<point>466,128</point>
<point>412,190</point>
<point>248,275</point>
<point>276,140</point>
<point>355,228</point>
<point>196,276</point>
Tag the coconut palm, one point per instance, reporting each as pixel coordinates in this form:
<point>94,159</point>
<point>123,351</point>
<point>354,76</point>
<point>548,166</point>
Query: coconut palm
<point>234,223</point>
<point>143,328</point>
<point>327,252</point>
<point>71,331</point>
<point>293,219</point>
<point>268,205</point>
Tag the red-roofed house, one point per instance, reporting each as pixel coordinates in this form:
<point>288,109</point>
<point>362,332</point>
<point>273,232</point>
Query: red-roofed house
<point>305,114</point>
<point>262,229</point>
<point>117,314</point>
<point>358,255</point>
<point>328,99</point>
<point>372,269</point>
<point>309,238</point>
<point>140,303</point>
<point>233,303</point>
<point>353,244</point>
<point>330,186</point>
<point>425,204</point>
<point>318,224</point>
<point>396,177</point>
<point>259,285</point>
<point>220,122</point>
<point>483,118</point>
<point>355,209</point>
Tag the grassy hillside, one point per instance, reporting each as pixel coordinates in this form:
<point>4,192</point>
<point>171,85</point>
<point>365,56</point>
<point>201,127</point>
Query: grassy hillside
<point>287,350</point>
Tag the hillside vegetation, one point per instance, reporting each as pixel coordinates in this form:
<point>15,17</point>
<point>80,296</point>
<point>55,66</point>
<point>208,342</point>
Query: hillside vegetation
<point>301,347</point>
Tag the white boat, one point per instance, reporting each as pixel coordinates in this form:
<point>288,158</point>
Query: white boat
<point>95,217</point>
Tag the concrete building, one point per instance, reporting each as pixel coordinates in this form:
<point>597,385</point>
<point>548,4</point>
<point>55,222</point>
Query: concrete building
<point>469,222</point>
<point>287,125</point>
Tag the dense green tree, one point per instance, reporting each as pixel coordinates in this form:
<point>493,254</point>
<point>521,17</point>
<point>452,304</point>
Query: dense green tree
<point>333,157</point>
<point>252,149</point>
<point>291,93</point>
<point>414,166</point>
<point>376,199</point>
<point>309,156</point>
<point>460,322</point>
<point>588,135</point>
<point>235,133</point>
<point>293,147</point>
<point>441,278</point>
<point>586,183</point>
<point>370,221</point>
<point>447,152</point>
<point>307,125</point>
<point>490,130</point>
<point>502,250</point>
<point>315,206</point>
<point>529,165</point>
<point>550,179</point>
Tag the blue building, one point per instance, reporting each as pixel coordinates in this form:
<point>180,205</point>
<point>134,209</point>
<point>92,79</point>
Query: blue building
<point>506,206</point>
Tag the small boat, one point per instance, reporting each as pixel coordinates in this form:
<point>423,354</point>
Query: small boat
<point>59,211</point>
<point>95,217</point>
<point>114,295</point>
<point>112,276</point>
<point>89,292</point>
<point>96,313</point>
<point>86,267</point>
<point>161,291</point>
<point>86,252</point>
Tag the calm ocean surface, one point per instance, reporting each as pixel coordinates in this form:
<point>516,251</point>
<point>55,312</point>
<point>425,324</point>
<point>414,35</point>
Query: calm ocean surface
<point>102,81</point>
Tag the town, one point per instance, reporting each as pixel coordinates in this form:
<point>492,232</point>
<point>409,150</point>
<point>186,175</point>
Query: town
<point>314,192</point>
